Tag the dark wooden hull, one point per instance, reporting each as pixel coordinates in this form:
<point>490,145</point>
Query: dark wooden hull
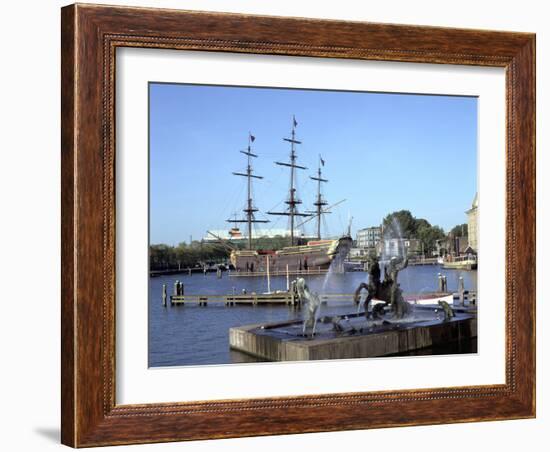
<point>318,255</point>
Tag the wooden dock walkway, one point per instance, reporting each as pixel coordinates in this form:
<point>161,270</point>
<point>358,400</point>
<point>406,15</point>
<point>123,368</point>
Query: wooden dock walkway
<point>424,261</point>
<point>252,299</point>
<point>287,298</point>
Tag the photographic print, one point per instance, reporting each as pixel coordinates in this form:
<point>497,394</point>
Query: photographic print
<point>298,224</point>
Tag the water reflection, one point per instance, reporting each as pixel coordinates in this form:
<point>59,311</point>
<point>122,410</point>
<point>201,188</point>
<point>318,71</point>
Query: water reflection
<point>193,335</point>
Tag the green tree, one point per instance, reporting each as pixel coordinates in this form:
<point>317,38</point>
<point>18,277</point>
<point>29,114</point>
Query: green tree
<point>270,243</point>
<point>421,223</point>
<point>402,224</point>
<point>399,224</point>
<point>460,230</point>
<point>428,235</point>
<point>163,257</point>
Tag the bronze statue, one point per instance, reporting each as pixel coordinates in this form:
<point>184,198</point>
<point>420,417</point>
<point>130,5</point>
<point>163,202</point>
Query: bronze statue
<point>399,306</point>
<point>313,303</point>
<point>388,290</point>
<point>372,288</point>
<point>449,313</point>
<point>378,311</point>
<point>374,275</point>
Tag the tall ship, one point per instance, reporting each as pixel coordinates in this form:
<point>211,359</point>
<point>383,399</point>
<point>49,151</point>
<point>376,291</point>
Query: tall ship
<point>313,255</point>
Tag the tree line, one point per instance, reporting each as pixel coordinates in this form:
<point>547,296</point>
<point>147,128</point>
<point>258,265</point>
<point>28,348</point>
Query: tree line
<point>198,253</point>
<point>164,257</point>
<point>402,224</point>
<point>399,224</point>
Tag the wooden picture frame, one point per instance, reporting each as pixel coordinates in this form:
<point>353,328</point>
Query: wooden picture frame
<point>90,36</point>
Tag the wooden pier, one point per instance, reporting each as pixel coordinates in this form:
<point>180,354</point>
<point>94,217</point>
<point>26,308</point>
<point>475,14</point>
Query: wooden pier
<point>285,298</point>
<point>183,271</point>
<point>424,261</point>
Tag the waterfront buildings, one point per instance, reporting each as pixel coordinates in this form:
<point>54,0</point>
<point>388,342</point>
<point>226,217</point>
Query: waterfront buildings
<point>369,241</point>
<point>452,246</point>
<point>472,224</point>
<point>395,247</point>
<point>358,253</point>
<point>464,245</point>
<point>366,244</point>
<point>368,237</point>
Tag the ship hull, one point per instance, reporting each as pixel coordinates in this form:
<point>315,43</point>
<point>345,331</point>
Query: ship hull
<point>314,256</point>
<point>461,265</point>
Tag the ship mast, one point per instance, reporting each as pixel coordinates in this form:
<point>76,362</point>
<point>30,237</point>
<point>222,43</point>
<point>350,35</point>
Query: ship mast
<point>293,200</point>
<point>249,209</point>
<point>320,202</point>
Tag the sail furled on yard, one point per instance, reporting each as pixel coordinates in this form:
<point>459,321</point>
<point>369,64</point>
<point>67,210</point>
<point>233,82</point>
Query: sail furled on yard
<point>250,208</point>
<point>320,201</point>
<point>293,201</point>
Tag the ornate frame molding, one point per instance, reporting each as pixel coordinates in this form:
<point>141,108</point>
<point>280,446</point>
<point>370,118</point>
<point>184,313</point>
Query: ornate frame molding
<point>90,37</point>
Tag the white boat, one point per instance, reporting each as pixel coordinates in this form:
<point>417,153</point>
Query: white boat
<point>468,262</point>
<point>423,298</point>
<point>429,298</point>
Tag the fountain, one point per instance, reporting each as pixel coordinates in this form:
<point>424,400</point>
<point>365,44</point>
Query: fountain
<point>389,325</point>
<point>387,291</point>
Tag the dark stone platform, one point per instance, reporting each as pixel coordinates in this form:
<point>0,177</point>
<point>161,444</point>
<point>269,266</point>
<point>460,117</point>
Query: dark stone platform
<point>284,341</point>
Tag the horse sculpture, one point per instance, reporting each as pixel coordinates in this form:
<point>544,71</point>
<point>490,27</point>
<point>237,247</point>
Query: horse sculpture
<point>387,290</point>
<point>313,303</point>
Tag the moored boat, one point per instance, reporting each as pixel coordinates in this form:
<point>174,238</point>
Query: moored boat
<point>461,263</point>
<point>315,255</point>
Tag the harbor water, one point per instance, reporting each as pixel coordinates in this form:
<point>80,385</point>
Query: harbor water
<point>198,335</point>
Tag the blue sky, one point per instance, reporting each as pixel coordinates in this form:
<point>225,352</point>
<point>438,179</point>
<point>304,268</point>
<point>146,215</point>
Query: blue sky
<point>383,152</point>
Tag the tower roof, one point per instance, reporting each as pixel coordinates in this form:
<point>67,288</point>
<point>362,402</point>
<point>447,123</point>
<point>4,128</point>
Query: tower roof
<point>475,202</point>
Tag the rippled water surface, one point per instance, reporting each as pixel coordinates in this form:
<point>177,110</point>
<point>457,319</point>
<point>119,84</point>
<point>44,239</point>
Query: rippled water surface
<point>194,335</point>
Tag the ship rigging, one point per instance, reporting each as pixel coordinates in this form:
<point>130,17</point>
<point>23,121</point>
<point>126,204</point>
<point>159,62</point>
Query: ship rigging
<point>250,209</point>
<point>320,202</point>
<point>293,201</point>
<point>314,256</point>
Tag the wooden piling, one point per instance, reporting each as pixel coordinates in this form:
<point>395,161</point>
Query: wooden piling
<point>164,295</point>
<point>287,279</point>
<point>441,282</point>
<point>461,290</point>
